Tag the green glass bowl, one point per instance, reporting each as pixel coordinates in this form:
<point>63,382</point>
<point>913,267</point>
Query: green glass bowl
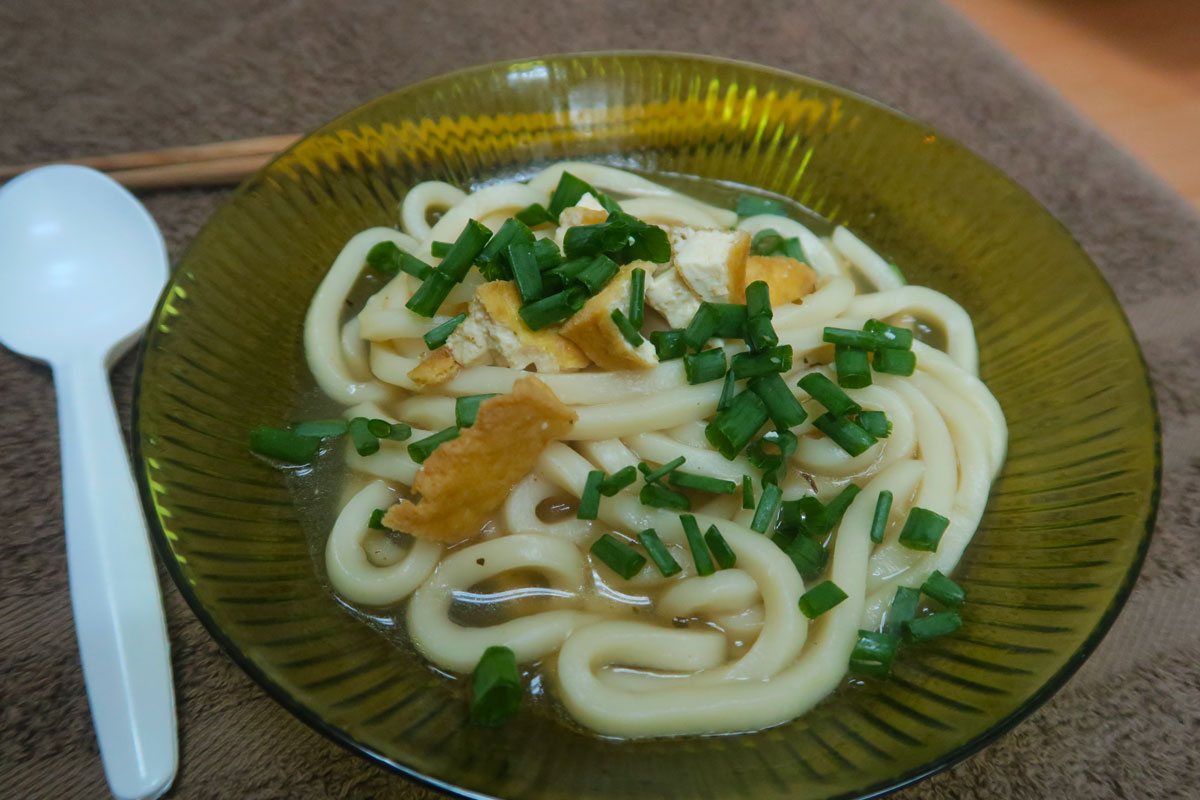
<point>1058,550</point>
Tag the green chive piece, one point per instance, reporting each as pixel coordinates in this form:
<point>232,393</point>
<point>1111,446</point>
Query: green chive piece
<point>618,556</point>
<point>807,555</point>
<point>466,408</point>
<point>589,501</point>
<point>549,310</point>
<point>525,271</point>
<point>749,205</point>
<point>883,508</point>
<point>701,483</point>
<point>701,327</point>
<point>430,295</point>
<point>848,337</point>
<point>721,552</point>
<point>649,242</point>
<point>546,252</point>
<point>438,335</point>
<point>731,320</point>
<point>760,333</point>
<point>923,529</point>
<point>591,240</point>
<point>853,367</point>
<point>496,687</point>
<point>364,441</point>
<point>728,392</point>
<point>732,429</point>
<point>844,433</point>
<point>637,297</point>
<point>467,247</point>
<point>321,428</point>
<point>793,249</point>
<point>895,362</point>
<point>781,443</point>
<point>668,344</point>
<point>596,275</point>
<point>827,393</point>
<point>421,449</point>
<point>838,505</point>
<point>807,515</point>
<point>772,360</point>
<point>903,609</point>
<point>889,336</point>
<point>944,590</point>
<point>388,259</point>
<point>922,629</point>
<point>874,653</point>
<point>380,428</point>
<point>768,504</point>
<point>785,410</point>
<point>607,203</point>
<point>399,432</point>
<point>440,249</point>
<point>627,329</point>
<point>657,496</point>
<point>534,214</point>
<point>376,520</point>
<point>747,492</point>
<point>819,599</point>
<point>284,445</point>
<point>707,365</point>
<point>664,562</point>
<point>700,556</point>
<point>653,476</point>
<point>766,242</point>
<point>758,300</point>
<point>875,423</point>
<point>568,193</point>
<point>618,481</point>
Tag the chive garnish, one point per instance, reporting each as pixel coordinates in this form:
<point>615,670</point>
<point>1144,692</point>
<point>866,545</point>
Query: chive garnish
<point>546,253</point>
<point>766,242</point>
<point>380,428</point>
<point>701,327</point>
<point>440,249</point>
<point>668,344</point>
<point>399,432</point>
<point>389,259</point>
<point>627,329</point>
<point>838,505</point>
<point>525,271</point>
<point>875,423</point>
<point>618,556</point>
<point>819,599</point>
<point>785,410</point>
<point>758,300</point>
<point>657,496</point>
<point>853,367</point>
<point>467,247</point>
<point>904,607</point>
<point>827,393</point>
<point>567,193</point>
<point>589,501</point>
<point>549,310</point>
<point>496,687</point>
<point>283,444</point>
<point>701,483</point>
<point>768,504</point>
<point>700,556</point>
<point>728,392</point>
<point>321,428</point>
<point>376,520</point>
<point>944,590</point>
<point>730,320</point>
<point>874,653</point>
<point>364,441</point>
<point>883,507</point>
<point>707,365</point>
<point>895,362</point>
<point>466,408</point>
<point>430,295</point>
<point>807,555</point>
<point>663,561</point>
<point>760,333</point>
<point>793,249</point>
<point>591,240</point>
<point>654,475</point>
<point>747,492</point>
<point>618,481</point>
<point>534,214</point>
<point>637,297</point>
<point>721,552</point>
<point>923,529</point>
<point>848,337</point>
<point>766,362</point>
<point>922,629</point>
<point>438,335</point>
<point>749,205</point>
<point>889,336</point>
<point>596,275</point>
<point>421,449</point>
<point>732,429</point>
<point>844,433</point>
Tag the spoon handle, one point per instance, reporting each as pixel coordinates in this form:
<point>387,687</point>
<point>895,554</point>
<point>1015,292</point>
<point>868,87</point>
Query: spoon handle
<point>114,590</point>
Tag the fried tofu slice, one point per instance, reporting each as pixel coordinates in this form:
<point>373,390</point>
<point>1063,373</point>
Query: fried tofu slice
<point>597,335</point>
<point>667,294</point>
<point>493,332</point>
<point>466,479</point>
<point>587,212</point>
<point>711,262</point>
<point>788,279</point>
<point>438,366</point>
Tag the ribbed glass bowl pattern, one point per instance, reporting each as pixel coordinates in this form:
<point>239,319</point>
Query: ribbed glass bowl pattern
<point>1058,550</point>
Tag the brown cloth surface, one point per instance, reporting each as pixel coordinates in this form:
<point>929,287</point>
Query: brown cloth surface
<point>78,78</point>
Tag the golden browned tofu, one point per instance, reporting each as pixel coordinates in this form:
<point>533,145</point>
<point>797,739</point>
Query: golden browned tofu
<point>789,280</point>
<point>493,333</point>
<point>597,335</point>
<point>711,262</point>
<point>466,479</point>
<point>438,366</point>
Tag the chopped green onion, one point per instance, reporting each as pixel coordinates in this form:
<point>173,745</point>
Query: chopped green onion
<point>389,259</point>
<point>766,242</point>
<point>589,501</point>
<point>549,310</point>
<point>364,441</point>
<point>922,629</point>
<point>844,433</point>
<point>749,205</point>
<point>895,362</point>
<point>722,554</point>
<point>701,483</point>
<point>772,360</point>
<point>618,556</point>
<point>904,607</point>
<point>399,432</point>
<point>534,214</point>
<point>607,203</point>
<point>853,367</point>
<point>944,590</point>
<point>438,335</point>
<point>466,408</point>
<point>668,344</point>
<point>567,193</point>
<point>747,492</point>
<point>467,247</point>
<point>653,476</point>
<point>728,392</point>
<point>806,555</point>
<point>758,300</point>
<point>637,297</point>
<point>732,429</point>
<point>783,442</point>
<point>321,428</point>
<point>421,449</point>
<point>889,336</point>
<point>883,507</point>
<point>618,481</point>
<point>376,520</point>
<point>659,554</point>
<point>649,242</point>
<point>731,320</point>
<point>545,251</point>
<point>707,365</point>
<point>793,249</point>
<point>496,687</point>
<point>819,599</point>
<point>874,653</point>
<point>785,410</point>
<point>379,427</point>
<point>806,514</point>
<point>701,327</point>
<point>760,333</point>
<point>595,276</point>
<point>700,556</point>
<point>848,337</point>
<point>768,504</point>
<point>875,423</point>
<point>923,529</point>
<point>657,496</point>
<point>591,240</point>
<point>440,249</point>
<point>839,504</point>
<point>525,271</point>
<point>627,329</point>
<point>284,445</point>
<point>827,393</point>
<point>430,295</point>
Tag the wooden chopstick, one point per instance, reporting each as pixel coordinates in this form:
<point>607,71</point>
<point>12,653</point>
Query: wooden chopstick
<point>214,164</point>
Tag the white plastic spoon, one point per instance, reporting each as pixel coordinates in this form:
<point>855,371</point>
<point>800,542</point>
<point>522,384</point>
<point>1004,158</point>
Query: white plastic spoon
<point>81,265</point>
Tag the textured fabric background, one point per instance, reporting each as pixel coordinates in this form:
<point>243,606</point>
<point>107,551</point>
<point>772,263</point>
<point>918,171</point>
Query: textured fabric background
<point>77,77</point>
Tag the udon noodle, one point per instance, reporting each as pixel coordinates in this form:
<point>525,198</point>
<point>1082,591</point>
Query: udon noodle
<point>652,655</point>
